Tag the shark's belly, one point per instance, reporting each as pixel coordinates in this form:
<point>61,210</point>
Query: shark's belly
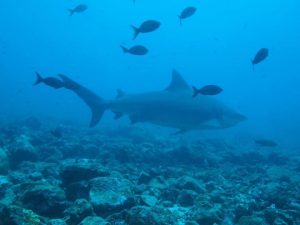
<point>165,111</point>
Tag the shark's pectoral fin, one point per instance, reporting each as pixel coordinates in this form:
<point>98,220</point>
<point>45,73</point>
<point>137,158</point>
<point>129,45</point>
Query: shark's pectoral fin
<point>118,115</point>
<point>230,120</point>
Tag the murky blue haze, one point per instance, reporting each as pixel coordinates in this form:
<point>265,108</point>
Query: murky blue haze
<point>54,169</point>
<point>214,46</point>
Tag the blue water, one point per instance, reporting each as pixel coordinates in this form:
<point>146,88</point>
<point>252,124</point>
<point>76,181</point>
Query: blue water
<point>214,46</point>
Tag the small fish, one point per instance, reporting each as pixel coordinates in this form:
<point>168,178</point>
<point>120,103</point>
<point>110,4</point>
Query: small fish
<point>266,143</point>
<point>78,9</point>
<point>49,81</point>
<point>260,56</point>
<point>207,90</point>
<point>135,50</point>
<point>187,12</point>
<point>57,132</point>
<point>146,27</point>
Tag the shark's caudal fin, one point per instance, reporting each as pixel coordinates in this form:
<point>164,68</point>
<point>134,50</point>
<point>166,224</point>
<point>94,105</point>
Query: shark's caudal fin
<point>125,50</point>
<point>136,32</point>
<point>96,103</point>
<point>39,79</point>
<point>195,91</point>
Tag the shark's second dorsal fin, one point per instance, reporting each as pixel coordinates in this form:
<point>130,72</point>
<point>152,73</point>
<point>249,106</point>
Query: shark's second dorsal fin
<point>177,82</point>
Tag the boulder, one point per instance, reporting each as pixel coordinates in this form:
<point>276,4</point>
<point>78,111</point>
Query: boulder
<point>111,194</point>
<point>4,163</point>
<point>43,198</point>
<point>94,220</point>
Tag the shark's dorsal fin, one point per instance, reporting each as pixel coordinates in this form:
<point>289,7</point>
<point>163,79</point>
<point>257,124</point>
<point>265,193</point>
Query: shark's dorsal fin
<point>177,83</point>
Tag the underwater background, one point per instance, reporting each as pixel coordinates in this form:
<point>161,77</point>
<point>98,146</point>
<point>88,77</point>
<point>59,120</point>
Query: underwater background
<point>52,159</point>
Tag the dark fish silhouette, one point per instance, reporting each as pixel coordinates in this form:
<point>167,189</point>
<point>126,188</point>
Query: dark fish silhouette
<point>135,50</point>
<point>78,9</point>
<point>146,27</point>
<point>266,143</point>
<point>260,56</point>
<point>207,90</point>
<point>69,84</point>
<point>57,132</point>
<point>187,12</point>
<point>49,81</point>
<point>171,107</point>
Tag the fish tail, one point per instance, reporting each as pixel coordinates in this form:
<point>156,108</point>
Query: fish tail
<point>39,79</point>
<point>136,32</point>
<point>71,11</point>
<point>95,102</point>
<point>125,50</point>
<point>196,91</point>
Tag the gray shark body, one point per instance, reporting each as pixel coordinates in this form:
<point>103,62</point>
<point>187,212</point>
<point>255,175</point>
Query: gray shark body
<point>173,107</point>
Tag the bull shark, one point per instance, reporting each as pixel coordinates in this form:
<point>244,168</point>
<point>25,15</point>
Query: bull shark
<point>173,107</point>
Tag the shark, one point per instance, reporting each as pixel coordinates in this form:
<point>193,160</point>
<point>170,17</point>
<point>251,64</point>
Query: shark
<point>172,107</point>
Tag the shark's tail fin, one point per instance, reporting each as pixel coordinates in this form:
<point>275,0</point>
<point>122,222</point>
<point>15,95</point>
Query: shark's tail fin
<point>125,50</point>
<point>136,32</point>
<point>195,91</point>
<point>96,103</point>
<point>39,79</point>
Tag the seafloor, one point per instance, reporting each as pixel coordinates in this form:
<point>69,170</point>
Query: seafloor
<point>130,175</point>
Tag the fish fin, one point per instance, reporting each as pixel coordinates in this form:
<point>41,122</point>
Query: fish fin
<point>95,103</point>
<point>177,83</point>
<point>118,115</point>
<point>120,93</point>
<point>39,79</point>
<point>71,11</point>
<point>125,50</point>
<point>136,32</point>
<point>180,20</point>
<point>196,91</point>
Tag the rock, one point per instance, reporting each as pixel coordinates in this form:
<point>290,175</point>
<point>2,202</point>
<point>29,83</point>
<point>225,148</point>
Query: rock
<point>80,209</point>
<point>149,200</point>
<point>21,150</point>
<point>43,198</point>
<point>4,164</point>
<point>110,194</point>
<point>4,185</point>
<point>78,170</point>
<point>190,183</point>
<point>207,216</point>
<point>77,190</point>
<point>186,198</point>
<point>279,221</point>
<point>141,215</point>
<point>56,222</point>
<point>144,178</point>
<point>251,220</point>
<point>15,215</point>
<point>170,194</point>
<point>93,220</point>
